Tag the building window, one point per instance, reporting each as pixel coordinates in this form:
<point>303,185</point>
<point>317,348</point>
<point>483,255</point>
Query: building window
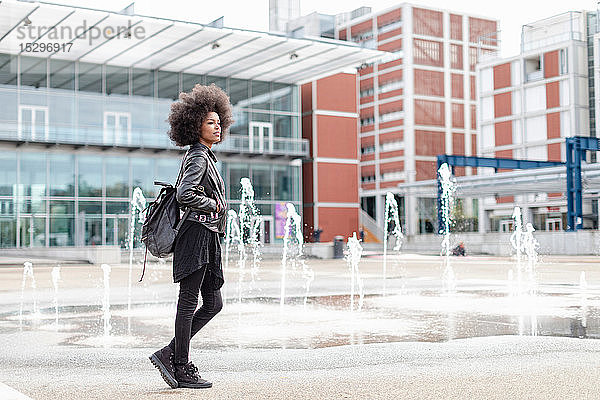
<point>117,128</point>
<point>456,57</point>
<point>33,123</point>
<point>392,175</point>
<point>260,137</point>
<point>427,52</point>
<point>363,36</point>
<point>390,85</point>
<point>533,68</point>
<point>367,121</point>
<point>367,178</point>
<point>367,92</point>
<point>33,72</point>
<point>368,205</point>
<point>391,116</point>
<point>392,145</point>
<point>367,150</point>
<point>90,77</point>
<point>389,26</point>
<point>8,69</point>
<point>472,58</point>
<point>563,62</point>
<point>427,22</point>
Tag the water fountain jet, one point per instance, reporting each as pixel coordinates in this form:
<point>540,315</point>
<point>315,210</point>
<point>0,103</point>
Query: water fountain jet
<point>249,225</point>
<point>106,301</point>
<point>353,259</point>
<point>391,215</point>
<point>55,278</point>
<point>293,242</point>
<point>28,274</point>
<point>448,188</point>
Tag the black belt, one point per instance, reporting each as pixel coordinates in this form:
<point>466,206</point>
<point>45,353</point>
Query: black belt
<point>205,217</point>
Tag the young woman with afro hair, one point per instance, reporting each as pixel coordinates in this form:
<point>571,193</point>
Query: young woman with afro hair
<point>199,119</point>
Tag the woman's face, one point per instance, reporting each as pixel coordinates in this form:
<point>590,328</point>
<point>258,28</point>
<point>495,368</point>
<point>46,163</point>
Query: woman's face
<point>210,131</point>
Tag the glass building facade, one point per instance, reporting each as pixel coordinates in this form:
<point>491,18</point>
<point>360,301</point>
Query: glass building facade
<point>78,137</point>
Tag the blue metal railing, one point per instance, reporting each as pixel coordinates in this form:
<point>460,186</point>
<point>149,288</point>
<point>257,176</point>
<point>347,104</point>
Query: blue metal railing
<point>480,162</point>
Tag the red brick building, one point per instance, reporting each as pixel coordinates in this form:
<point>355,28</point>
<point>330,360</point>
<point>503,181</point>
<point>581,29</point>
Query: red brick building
<point>330,178</point>
<point>417,103</point>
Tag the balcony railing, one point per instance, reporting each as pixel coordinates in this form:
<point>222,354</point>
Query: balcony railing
<point>547,40</point>
<point>147,139</point>
<point>267,146</point>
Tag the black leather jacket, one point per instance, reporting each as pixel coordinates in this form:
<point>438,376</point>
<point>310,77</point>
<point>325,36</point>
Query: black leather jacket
<point>202,200</point>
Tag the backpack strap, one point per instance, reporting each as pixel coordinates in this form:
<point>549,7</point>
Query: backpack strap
<point>203,182</point>
<point>185,215</point>
<point>180,175</point>
<point>144,270</point>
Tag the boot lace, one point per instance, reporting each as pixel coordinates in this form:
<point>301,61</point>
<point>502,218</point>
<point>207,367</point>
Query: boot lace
<point>191,370</point>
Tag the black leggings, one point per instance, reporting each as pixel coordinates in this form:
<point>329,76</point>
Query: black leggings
<point>188,322</point>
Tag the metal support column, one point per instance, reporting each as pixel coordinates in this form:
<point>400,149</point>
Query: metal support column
<point>578,185</point>
<point>576,148</point>
<point>570,190</point>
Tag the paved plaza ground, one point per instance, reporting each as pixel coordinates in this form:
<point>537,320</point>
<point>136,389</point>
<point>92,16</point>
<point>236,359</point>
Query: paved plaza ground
<point>416,342</point>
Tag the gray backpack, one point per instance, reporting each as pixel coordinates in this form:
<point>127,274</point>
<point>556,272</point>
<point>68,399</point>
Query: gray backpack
<point>163,221</point>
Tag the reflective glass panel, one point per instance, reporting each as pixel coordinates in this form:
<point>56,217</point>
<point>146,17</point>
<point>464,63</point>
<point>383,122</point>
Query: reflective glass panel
<point>90,208</point>
<point>90,77</point>
<point>62,207</point>
<point>261,181</point>
<point>141,175</point>
<point>117,177</point>
<point>90,176</point>
<point>33,71</point>
<point>8,69</point>
<point>283,188</point>
<point>190,80</point>
<point>238,92</point>
<point>168,85</point>
<point>261,95</point>
<point>285,126</point>
<point>142,82</point>
<point>62,74</point>
<point>117,207</point>
<point>8,173</point>
<point>236,173</point>
<point>166,170</point>
<point>61,231</point>
<point>8,232</point>
<point>117,80</point>
<point>92,231</point>
<point>33,175</point>
<point>284,97</point>
<point>217,80</point>
<point>240,124</point>
<point>34,206</point>
<point>62,175</point>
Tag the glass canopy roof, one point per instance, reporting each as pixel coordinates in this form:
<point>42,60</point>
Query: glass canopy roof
<point>105,37</point>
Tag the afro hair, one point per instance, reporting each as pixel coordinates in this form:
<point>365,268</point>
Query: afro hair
<point>188,114</point>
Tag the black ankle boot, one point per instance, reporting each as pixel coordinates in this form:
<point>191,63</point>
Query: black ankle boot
<point>187,377</point>
<point>163,361</point>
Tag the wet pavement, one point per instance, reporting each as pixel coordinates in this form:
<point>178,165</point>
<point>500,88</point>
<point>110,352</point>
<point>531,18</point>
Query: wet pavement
<point>548,323</point>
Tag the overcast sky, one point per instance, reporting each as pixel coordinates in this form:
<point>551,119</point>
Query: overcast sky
<point>254,14</point>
